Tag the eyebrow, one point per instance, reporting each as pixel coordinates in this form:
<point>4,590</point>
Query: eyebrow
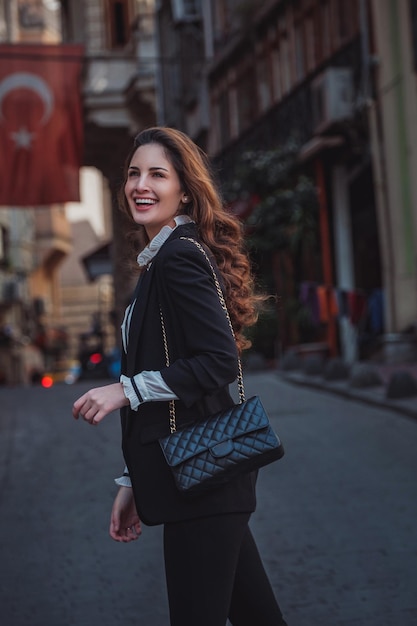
<point>157,167</point>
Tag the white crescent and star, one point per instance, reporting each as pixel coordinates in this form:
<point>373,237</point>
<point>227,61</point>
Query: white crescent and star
<point>26,80</point>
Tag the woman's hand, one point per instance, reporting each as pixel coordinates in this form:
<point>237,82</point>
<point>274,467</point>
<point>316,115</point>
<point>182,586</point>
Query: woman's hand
<point>124,522</point>
<point>94,405</point>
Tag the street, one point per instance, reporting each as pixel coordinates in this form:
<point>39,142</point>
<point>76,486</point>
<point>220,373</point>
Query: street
<point>336,521</point>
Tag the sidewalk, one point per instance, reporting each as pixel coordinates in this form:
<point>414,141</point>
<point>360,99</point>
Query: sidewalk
<point>373,395</point>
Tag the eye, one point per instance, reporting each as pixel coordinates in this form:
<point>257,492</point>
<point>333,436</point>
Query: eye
<point>158,174</point>
<point>132,173</point>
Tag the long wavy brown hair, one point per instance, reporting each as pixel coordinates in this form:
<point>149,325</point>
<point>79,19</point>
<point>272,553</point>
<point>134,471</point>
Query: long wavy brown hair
<point>218,229</point>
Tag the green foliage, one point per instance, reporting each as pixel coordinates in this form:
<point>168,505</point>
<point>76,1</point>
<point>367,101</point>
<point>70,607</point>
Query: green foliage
<point>285,217</point>
<point>286,212</point>
<point>282,237</point>
<point>261,172</point>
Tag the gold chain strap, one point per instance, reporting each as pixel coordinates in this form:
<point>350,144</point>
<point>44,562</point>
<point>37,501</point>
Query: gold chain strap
<point>241,387</point>
<point>172,422</point>
<point>240,384</point>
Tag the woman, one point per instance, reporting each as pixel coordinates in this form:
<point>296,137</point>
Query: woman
<point>213,569</point>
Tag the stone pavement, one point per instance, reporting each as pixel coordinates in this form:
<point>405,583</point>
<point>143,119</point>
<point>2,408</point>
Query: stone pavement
<point>335,523</point>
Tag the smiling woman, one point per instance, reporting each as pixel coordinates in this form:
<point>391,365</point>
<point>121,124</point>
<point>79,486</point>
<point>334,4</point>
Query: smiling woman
<point>170,195</point>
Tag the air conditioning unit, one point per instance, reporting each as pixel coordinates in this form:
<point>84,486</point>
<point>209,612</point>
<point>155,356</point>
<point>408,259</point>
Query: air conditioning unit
<point>186,10</point>
<point>332,98</point>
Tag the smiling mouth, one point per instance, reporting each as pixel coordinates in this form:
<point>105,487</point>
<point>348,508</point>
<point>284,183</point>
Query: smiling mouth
<point>144,204</point>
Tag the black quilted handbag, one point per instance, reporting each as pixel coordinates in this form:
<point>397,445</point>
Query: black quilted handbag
<point>210,452</point>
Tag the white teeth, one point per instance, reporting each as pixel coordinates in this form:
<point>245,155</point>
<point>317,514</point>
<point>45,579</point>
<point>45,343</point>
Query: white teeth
<point>144,201</point>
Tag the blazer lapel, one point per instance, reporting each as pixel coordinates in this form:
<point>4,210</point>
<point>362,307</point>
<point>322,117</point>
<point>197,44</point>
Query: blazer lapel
<point>137,320</point>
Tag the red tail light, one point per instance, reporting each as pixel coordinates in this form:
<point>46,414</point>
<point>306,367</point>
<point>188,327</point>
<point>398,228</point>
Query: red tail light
<point>96,358</point>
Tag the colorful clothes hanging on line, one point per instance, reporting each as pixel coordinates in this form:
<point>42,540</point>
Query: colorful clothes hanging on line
<point>360,307</point>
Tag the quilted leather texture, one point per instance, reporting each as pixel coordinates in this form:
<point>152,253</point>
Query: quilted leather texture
<point>214,450</point>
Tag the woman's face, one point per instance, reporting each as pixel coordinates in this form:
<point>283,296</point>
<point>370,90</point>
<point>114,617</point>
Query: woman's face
<point>153,189</point>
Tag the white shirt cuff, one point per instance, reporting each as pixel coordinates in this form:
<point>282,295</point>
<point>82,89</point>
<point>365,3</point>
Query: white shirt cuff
<point>130,392</point>
<point>124,481</point>
<point>151,387</point>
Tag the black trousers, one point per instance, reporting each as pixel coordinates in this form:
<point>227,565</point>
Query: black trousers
<point>214,572</point>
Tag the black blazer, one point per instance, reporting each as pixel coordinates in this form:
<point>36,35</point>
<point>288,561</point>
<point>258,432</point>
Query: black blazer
<point>203,362</point>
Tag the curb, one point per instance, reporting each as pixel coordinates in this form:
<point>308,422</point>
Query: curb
<point>374,396</point>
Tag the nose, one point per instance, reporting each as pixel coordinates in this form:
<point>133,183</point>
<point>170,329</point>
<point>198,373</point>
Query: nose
<point>141,183</point>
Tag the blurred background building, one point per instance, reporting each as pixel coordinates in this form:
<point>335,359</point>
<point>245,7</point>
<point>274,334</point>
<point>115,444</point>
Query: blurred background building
<point>52,292</point>
<point>325,90</point>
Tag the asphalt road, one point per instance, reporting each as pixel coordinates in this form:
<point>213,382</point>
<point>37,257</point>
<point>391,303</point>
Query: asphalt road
<point>336,521</point>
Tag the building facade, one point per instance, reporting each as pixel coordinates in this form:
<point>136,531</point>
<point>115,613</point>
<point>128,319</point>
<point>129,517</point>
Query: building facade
<point>339,78</point>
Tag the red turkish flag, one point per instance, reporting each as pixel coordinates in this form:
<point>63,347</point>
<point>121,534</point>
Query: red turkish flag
<point>41,132</point>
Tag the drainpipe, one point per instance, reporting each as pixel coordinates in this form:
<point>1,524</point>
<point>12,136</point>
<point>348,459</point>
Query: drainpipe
<point>343,252</point>
<point>326,252</point>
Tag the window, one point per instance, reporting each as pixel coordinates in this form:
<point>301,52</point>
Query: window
<point>119,22</point>
<point>305,39</point>
<point>299,51</point>
<point>284,55</point>
<point>310,42</point>
<point>224,117</point>
<point>276,75</point>
<point>285,64</point>
<point>227,18</point>
<point>31,15</point>
<point>35,21</point>
<point>246,99</point>
<point>264,83</point>
<point>4,245</point>
<point>343,19</point>
<point>325,29</point>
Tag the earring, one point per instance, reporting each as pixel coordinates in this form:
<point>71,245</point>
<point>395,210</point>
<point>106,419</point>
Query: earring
<point>185,199</point>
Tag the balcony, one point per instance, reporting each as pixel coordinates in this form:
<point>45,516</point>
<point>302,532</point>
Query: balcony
<point>119,97</point>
